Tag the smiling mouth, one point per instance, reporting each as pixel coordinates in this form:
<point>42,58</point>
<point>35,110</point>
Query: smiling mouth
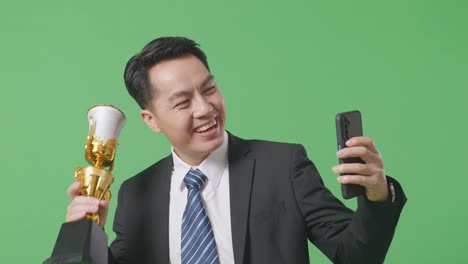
<point>207,127</point>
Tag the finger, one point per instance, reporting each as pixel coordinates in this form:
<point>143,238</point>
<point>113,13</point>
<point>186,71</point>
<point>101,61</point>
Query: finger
<point>86,208</point>
<point>362,180</point>
<point>81,203</point>
<point>104,204</point>
<point>75,216</point>
<point>354,168</point>
<point>103,208</point>
<point>85,200</point>
<point>362,141</point>
<point>77,212</point>
<point>360,152</point>
<point>74,190</point>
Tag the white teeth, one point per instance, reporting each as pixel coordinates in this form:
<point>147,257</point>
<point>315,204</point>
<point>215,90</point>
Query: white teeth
<point>206,127</point>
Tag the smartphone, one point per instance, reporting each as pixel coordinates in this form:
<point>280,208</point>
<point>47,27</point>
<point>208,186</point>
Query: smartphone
<point>349,125</point>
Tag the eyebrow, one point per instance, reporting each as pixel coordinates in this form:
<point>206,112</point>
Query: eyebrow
<point>207,80</point>
<point>182,93</point>
<point>179,94</point>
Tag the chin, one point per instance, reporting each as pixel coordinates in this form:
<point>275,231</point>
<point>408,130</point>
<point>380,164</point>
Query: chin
<point>213,145</point>
<point>216,143</point>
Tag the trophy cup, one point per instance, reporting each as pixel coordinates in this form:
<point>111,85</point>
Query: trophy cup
<point>84,241</point>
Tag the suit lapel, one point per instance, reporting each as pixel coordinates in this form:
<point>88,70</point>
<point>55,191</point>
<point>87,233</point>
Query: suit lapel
<point>158,190</point>
<point>241,170</point>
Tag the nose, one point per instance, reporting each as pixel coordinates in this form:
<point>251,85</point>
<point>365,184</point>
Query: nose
<point>202,107</point>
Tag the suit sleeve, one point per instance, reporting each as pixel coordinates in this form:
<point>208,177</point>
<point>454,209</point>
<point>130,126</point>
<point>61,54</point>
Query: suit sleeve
<point>342,235</point>
<point>117,250</point>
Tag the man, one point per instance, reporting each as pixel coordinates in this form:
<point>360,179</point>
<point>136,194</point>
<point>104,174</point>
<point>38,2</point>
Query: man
<point>252,201</point>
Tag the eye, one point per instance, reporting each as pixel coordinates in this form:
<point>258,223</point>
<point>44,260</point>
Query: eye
<point>210,89</point>
<point>182,104</point>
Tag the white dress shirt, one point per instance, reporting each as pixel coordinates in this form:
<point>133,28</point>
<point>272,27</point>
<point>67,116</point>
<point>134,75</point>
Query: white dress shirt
<point>215,196</point>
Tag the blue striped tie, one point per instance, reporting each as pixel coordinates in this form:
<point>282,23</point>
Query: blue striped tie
<point>198,243</point>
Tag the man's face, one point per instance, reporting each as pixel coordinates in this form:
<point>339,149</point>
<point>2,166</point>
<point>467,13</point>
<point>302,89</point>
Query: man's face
<point>187,107</point>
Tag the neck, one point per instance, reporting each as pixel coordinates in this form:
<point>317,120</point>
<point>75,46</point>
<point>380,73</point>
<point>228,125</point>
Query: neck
<point>192,160</point>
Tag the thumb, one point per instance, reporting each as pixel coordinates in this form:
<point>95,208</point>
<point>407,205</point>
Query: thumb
<point>74,190</point>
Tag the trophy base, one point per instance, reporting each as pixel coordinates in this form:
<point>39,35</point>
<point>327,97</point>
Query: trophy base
<point>80,242</point>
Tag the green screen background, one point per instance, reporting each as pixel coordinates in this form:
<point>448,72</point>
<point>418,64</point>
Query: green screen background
<point>285,68</point>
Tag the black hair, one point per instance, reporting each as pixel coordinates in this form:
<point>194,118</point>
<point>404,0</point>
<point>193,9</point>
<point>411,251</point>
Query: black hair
<point>158,50</point>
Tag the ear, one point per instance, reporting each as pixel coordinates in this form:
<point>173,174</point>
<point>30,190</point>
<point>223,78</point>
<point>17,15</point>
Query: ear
<point>150,120</point>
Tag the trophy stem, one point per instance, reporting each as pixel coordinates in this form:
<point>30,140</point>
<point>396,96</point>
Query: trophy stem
<point>99,161</point>
<point>94,217</point>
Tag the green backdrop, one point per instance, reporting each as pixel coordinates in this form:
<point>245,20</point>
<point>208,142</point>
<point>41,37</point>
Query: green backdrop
<point>285,67</point>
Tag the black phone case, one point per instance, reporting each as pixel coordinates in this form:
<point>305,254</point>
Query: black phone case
<point>349,125</point>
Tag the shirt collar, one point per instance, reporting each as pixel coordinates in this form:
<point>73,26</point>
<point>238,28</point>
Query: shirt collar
<point>212,166</point>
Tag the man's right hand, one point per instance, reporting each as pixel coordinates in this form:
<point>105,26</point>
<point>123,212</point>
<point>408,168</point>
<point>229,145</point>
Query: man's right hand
<point>82,205</point>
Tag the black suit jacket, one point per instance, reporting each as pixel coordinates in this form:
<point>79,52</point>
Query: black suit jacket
<point>278,201</point>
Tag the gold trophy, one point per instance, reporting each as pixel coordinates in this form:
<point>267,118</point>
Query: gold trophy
<point>84,241</point>
<point>105,123</point>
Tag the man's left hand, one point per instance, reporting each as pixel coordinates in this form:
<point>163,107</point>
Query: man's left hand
<point>371,175</point>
